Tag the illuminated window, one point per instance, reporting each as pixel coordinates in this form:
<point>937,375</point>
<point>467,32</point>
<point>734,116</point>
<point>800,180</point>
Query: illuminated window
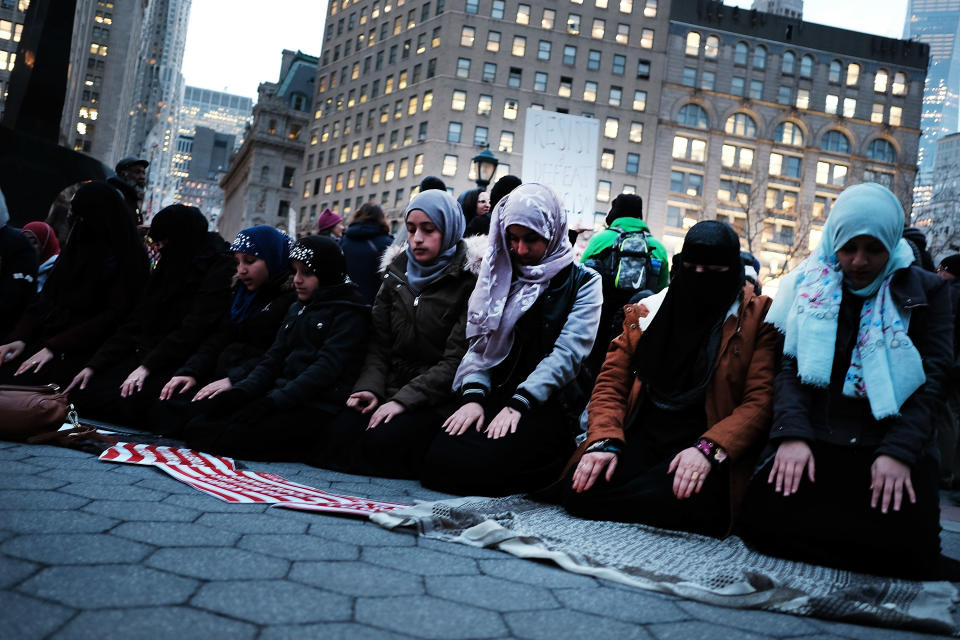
<point>853,74</point>
<point>506,142</point>
<point>831,103</point>
<point>849,107</point>
<point>573,24</point>
<point>603,190</point>
<point>412,105</point>
<point>523,14</point>
<point>599,28</point>
<point>510,108</point>
<point>831,174</point>
<point>611,127</point>
<point>519,46</point>
<point>493,41</point>
<point>693,44</point>
<point>741,124</point>
<point>403,169</point>
<point>899,84</point>
<point>876,115</point>
<point>427,101</point>
<point>636,132</point>
<point>549,17</point>
<point>607,158</point>
<point>566,87</point>
<point>467,36</point>
<point>646,39</point>
<point>895,116</point>
<point>788,133</point>
<point>459,101</point>
<point>880,81</point>
<point>484,105</point>
<point>418,164</point>
<point>389,171</point>
<point>735,157</point>
<point>711,47</point>
<point>449,165</point>
<point>590,91</point>
<point>6,32</point>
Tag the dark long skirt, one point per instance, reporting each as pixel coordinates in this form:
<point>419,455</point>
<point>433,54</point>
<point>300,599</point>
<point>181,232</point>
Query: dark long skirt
<point>525,461</point>
<point>393,449</point>
<point>101,399</point>
<point>829,522</point>
<point>59,371</point>
<point>641,490</point>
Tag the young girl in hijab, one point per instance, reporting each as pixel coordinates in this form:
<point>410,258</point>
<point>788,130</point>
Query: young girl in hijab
<point>419,317</point>
<point>95,283</point>
<point>278,410</point>
<point>185,298</point>
<point>682,399</point>
<point>851,476</point>
<point>45,241</point>
<point>531,321</point>
<point>264,293</point>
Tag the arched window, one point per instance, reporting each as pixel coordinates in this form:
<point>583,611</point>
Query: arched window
<point>693,44</point>
<point>787,62</point>
<point>693,115</point>
<point>806,66</point>
<point>899,84</point>
<point>265,173</point>
<point>882,151</point>
<point>760,57</point>
<point>853,74</point>
<point>835,141</point>
<point>788,133</point>
<point>740,53</point>
<point>836,71</point>
<point>741,124</point>
<point>880,81</point>
<point>711,47</point>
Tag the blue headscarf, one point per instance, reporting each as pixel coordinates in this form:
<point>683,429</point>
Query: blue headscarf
<point>886,367</point>
<point>446,214</point>
<point>271,246</point>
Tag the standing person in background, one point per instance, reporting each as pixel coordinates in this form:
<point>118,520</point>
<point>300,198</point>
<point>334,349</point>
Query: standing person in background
<point>480,225</point>
<point>131,181</point>
<point>363,244</point>
<point>531,321</point>
<point>468,203</point>
<point>432,182</point>
<point>44,240</point>
<point>18,271</point>
<point>330,224</point>
<point>95,283</point>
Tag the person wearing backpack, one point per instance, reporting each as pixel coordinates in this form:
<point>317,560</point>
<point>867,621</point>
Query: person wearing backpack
<point>630,261</point>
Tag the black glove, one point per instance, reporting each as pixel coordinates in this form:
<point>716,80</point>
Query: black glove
<point>226,403</point>
<point>256,411</point>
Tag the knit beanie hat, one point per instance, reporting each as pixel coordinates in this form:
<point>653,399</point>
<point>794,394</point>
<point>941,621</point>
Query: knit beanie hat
<point>502,187</point>
<point>951,264</point>
<point>625,205</point>
<point>322,256</point>
<point>328,220</point>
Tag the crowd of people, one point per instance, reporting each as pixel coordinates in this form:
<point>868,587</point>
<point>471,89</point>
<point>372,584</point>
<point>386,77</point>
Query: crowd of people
<point>477,353</point>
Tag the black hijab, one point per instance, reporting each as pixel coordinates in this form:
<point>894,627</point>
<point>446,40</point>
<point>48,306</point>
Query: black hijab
<point>675,356</point>
<point>186,244</point>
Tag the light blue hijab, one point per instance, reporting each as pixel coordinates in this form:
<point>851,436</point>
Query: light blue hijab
<point>807,306</point>
<point>446,214</point>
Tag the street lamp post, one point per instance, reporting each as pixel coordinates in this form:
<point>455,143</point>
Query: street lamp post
<point>484,165</point>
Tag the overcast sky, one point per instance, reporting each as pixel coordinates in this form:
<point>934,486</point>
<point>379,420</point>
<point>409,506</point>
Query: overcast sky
<point>234,45</point>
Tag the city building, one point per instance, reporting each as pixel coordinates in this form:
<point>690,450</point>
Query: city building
<point>409,88</point>
<point>937,24</point>
<point>100,83</point>
<point>765,119</point>
<point>260,185</point>
<point>158,89</point>
<point>940,217</point>
<point>786,8</point>
<point>12,14</point>
<point>207,119</point>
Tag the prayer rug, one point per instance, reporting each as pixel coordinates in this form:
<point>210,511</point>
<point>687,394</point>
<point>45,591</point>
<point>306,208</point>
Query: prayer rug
<point>718,572</point>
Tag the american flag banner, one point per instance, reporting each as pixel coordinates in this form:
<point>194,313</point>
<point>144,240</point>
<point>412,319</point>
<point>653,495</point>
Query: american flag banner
<point>218,476</point>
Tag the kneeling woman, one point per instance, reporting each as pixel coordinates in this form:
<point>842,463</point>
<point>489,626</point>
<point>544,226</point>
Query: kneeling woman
<point>405,390</point>
<point>682,399</point>
<point>278,411</point>
<point>851,476</point>
<point>530,323</point>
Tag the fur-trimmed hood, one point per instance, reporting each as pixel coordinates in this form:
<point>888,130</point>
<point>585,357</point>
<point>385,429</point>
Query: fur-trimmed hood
<point>396,255</point>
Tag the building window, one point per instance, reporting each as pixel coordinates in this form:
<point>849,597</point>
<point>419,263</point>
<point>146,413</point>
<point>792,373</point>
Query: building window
<point>493,41</point>
<point>449,165</point>
<point>691,149</point>
<point>619,64</point>
<point>510,108</point>
<point>643,69</point>
<point>760,57</point>
<point>633,163</point>
<point>785,166</point>
<point>611,127</point>
<point>741,124</point>
<point>687,184</point>
<point>853,74</point>
<point>467,36</point>
<point>590,91</point>
<point>876,115</point>
<point>422,132</point>
<point>737,86</point>
<point>604,187</point>
<point>882,151</point>
<point>708,80</point>
<point>781,200</point>
<point>835,142</point>
<point>899,84</point>
<point>788,133</point>
<point>506,142</point>
<point>473,6</point>
<point>615,97</point>
<point>497,9</point>
<point>734,157</point>
<point>636,132</point>
<point>569,55</point>
<point>566,87</point>
<point>489,72</point>
<point>459,101</point>
<point>639,100</point>
<point>756,90</point>
<point>895,116</point>
<point>831,103</point>
<point>519,46</point>
<point>543,50</point>
<point>693,44</point>
<point>646,39</point>
<point>711,47</point>
<point>880,81</point>
<point>803,99</point>
<point>836,71</point>
<point>484,105</point>
<point>834,175</point>
<point>548,19</point>
<point>693,115</point>
<point>514,77</point>
<point>463,67</point>
<point>481,136</point>
<point>418,164</point>
<point>623,33</point>
<point>607,159</point>
<point>849,107</point>
<point>787,63</point>
<point>880,177</point>
<point>734,191</point>
<point>593,60</point>
<point>454,130</point>
<point>523,14</point>
<point>740,53</point>
<point>806,66</point>
<point>540,81</point>
<point>573,24</point>
<point>599,28</point>
<point>427,101</point>
<point>785,95</point>
<point>689,78</point>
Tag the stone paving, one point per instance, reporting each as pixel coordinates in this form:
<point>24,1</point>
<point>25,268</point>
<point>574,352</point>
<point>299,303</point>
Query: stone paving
<point>91,549</point>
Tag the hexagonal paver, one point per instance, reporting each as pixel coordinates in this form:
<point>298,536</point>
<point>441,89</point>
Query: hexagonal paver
<point>857,632</point>
<point>427,617</point>
<point>545,575</point>
<point>113,491</point>
<point>175,534</point>
<point>266,601</point>
<point>357,578</point>
<point>209,563</point>
<point>109,586</point>
<point>33,619</point>
<point>299,547</point>
<point>631,605</point>
<point>712,630</point>
<point>367,534</point>
<point>252,523</point>
<point>570,624</point>
<point>175,623</point>
<point>775,624</point>
<point>328,631</point>
<point>19,499</point>
<point>27,481</point>
<point>21,467</point>
<point>28,521</point>
<point>13,570</point>
<point>75,548</point>
<point>490,593</point>
<point>420,561</point>
<point>151,511</point>
<point>193,499</point>
<point>104,474</point>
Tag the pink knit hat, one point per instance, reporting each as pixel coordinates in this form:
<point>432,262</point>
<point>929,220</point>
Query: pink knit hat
<point>327,220</point>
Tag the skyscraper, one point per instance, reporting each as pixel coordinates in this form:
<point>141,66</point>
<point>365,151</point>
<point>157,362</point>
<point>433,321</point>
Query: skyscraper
<point>11,27</point>
<point>937,23</point>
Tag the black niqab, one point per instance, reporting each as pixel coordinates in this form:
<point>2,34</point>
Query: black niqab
<point>186,244</point>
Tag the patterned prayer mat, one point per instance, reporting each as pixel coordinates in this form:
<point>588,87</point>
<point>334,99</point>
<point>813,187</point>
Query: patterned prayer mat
<point>717,572</point>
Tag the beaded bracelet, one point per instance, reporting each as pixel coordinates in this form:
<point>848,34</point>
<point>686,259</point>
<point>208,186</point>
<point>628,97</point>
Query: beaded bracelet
<point>711,451</point>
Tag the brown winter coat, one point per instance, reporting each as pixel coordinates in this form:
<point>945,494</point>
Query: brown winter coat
<point>739,397</point>
<point>418,341</point>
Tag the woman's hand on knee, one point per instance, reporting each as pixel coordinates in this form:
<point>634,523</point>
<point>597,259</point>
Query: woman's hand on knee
<point>590,467</point>
<point>134,382</point>
<point>385,413</point>
<point>81,380</point>
<point>793,456</point>
<point>36,361</point>
<point>690,469</point>
<point>363,401</point>
<point>177,384</point>
<point>888,478</point>
<point>464,418</point>
<point>11,350</point>
<point>211,390</point>
<point>505,422</point>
